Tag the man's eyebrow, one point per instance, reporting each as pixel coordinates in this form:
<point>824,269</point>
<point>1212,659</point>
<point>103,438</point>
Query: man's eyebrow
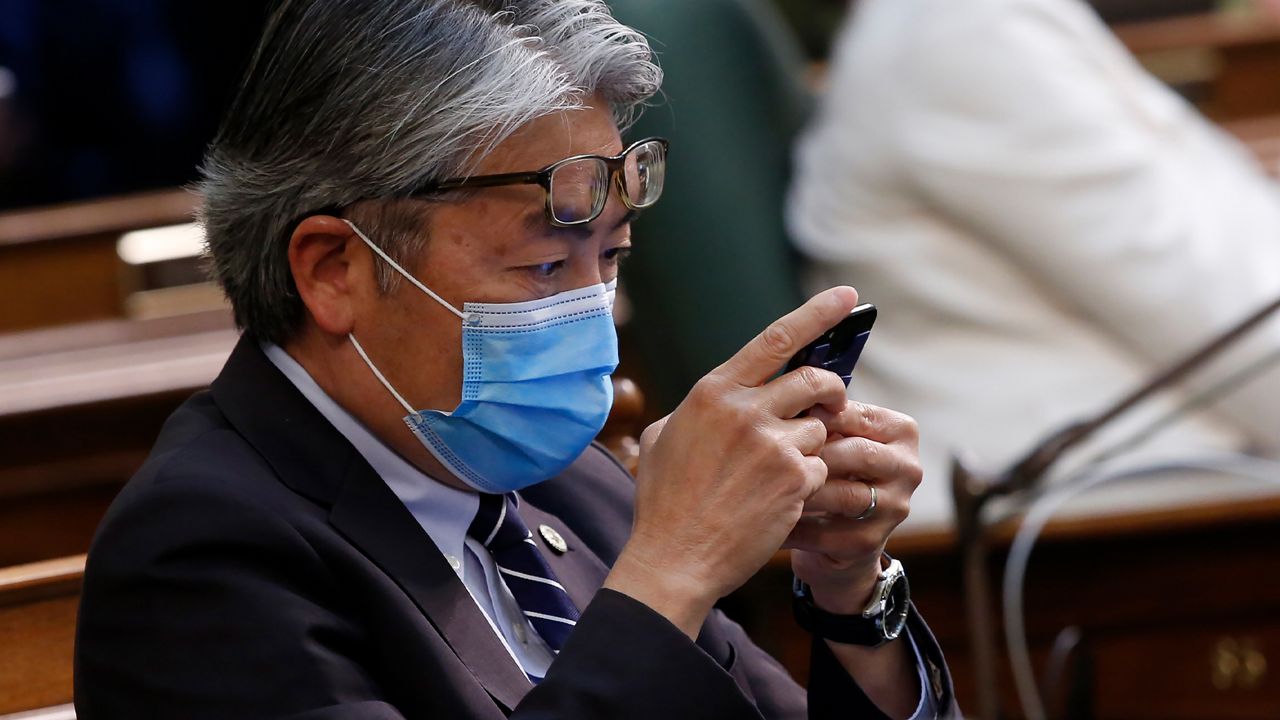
<point>537,222</point>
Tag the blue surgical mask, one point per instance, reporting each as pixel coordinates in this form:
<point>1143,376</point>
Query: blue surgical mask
<point>535,386</point>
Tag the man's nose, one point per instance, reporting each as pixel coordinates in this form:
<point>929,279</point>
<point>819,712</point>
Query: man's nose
<point>584,272</point>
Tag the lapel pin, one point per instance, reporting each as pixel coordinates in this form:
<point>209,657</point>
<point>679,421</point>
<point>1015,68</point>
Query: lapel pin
<point>553,539</point>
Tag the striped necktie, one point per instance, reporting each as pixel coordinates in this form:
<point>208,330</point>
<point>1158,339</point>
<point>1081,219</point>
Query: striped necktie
<point>541,598</point>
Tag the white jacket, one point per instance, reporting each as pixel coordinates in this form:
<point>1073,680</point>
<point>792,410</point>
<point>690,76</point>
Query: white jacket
<point>1043,225</point>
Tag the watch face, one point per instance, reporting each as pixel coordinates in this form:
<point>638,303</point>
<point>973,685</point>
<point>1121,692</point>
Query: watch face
<point>896,605</point>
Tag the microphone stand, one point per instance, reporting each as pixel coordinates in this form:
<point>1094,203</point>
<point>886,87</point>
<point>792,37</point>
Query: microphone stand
<point>972,491</point>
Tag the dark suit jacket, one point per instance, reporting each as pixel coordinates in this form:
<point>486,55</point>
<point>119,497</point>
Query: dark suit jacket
<point>257,567</point>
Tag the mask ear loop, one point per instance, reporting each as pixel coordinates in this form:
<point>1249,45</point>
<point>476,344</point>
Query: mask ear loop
<point>407,276</point>
<point>378,374</point>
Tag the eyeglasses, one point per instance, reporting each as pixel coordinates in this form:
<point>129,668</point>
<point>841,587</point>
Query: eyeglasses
<point>577,188</point>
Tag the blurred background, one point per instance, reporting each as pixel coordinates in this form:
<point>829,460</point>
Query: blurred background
<point>103,97</point>
<point>1051,201</point>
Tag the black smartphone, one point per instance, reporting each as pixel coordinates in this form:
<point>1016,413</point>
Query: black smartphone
<point>839,348</point>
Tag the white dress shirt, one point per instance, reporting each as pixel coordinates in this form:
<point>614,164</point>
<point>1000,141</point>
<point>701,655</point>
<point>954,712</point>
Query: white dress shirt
<point>444,513</point>
<point>1043,225</point>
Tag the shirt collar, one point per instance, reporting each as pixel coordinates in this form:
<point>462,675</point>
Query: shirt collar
<point>444,512</point>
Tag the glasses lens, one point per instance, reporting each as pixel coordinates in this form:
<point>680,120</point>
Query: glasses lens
<point>579,190</point>
<point>646,169</point>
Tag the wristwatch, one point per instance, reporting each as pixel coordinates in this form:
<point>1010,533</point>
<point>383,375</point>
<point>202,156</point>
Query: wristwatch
<point>881,621</point>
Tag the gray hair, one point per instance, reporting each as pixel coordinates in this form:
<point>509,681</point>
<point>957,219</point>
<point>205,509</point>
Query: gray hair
<point>346,100</point>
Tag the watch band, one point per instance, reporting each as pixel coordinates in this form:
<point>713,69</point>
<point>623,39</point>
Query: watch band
<point>849,629</point>
<point>882,621</point>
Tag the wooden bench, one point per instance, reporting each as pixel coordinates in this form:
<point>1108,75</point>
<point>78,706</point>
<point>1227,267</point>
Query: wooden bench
<point>59,264</point>
<point>80,407</point>
<point>38,605</point>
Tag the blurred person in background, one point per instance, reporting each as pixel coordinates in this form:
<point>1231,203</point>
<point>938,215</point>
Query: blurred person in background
<point>1044,225</point>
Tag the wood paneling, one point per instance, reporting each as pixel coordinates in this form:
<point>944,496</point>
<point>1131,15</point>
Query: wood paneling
<point>37,633</point>
<point>1218,671</point>
<point>1153,594</point>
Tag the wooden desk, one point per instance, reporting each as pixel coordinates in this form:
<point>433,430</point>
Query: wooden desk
<point>1169,603</point>
<point>38,605</point>
<point>55,712</point>
<point>1245,44</point>
<point>58,264</point>
<point>80,407</point>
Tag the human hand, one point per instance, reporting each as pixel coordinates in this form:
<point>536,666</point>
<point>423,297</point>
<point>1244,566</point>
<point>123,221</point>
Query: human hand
<point>833,552</point>
<point>724,479</point>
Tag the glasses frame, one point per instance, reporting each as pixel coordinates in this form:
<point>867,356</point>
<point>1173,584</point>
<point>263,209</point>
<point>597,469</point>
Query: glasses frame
<point>615,165</point>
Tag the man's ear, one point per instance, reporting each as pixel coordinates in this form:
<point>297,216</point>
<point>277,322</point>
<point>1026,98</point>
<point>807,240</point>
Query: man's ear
<point>323,258</point>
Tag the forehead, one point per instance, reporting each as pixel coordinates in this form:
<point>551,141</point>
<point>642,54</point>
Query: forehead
<point>589,130</point>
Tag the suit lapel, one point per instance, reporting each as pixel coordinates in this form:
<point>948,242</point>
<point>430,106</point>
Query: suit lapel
<point>314,459</point>
<point>370,515</point>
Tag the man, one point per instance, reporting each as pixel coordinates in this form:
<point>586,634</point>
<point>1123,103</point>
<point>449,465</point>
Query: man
<point>418,206</point>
